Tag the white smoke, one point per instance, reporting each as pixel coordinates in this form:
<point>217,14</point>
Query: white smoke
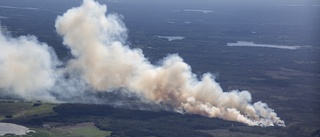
<point>104,63</point>
<point>26,67</point>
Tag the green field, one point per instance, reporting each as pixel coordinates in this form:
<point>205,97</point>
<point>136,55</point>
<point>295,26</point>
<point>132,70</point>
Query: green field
<point>89,131</point>
<point>30,110</point>
<point>71,131</point>
<point>19,109</point>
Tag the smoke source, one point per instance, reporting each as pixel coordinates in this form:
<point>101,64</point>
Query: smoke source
<point>103,63</point>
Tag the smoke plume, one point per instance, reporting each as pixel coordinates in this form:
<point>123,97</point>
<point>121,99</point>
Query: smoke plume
<point>103,63</point>
<point>26,67</point>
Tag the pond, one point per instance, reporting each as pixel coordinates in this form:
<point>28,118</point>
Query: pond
<point>8,128</point>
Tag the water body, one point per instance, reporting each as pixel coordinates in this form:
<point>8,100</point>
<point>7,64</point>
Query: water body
<point>25,8</point>
<point>171,38</point>
<point>8,128</point>
<point>197,10</point>
<point>251,44</point>
<point>299,5</point>
<point>3,17</point>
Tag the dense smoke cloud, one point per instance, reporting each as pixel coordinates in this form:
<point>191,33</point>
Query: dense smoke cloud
<point>103,63</point>
<point>26,67</point>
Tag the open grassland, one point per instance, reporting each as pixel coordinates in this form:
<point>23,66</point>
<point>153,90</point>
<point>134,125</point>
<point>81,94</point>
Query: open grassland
<point>11,109</point>
<point>78,130</point>
<point>89,131</point>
